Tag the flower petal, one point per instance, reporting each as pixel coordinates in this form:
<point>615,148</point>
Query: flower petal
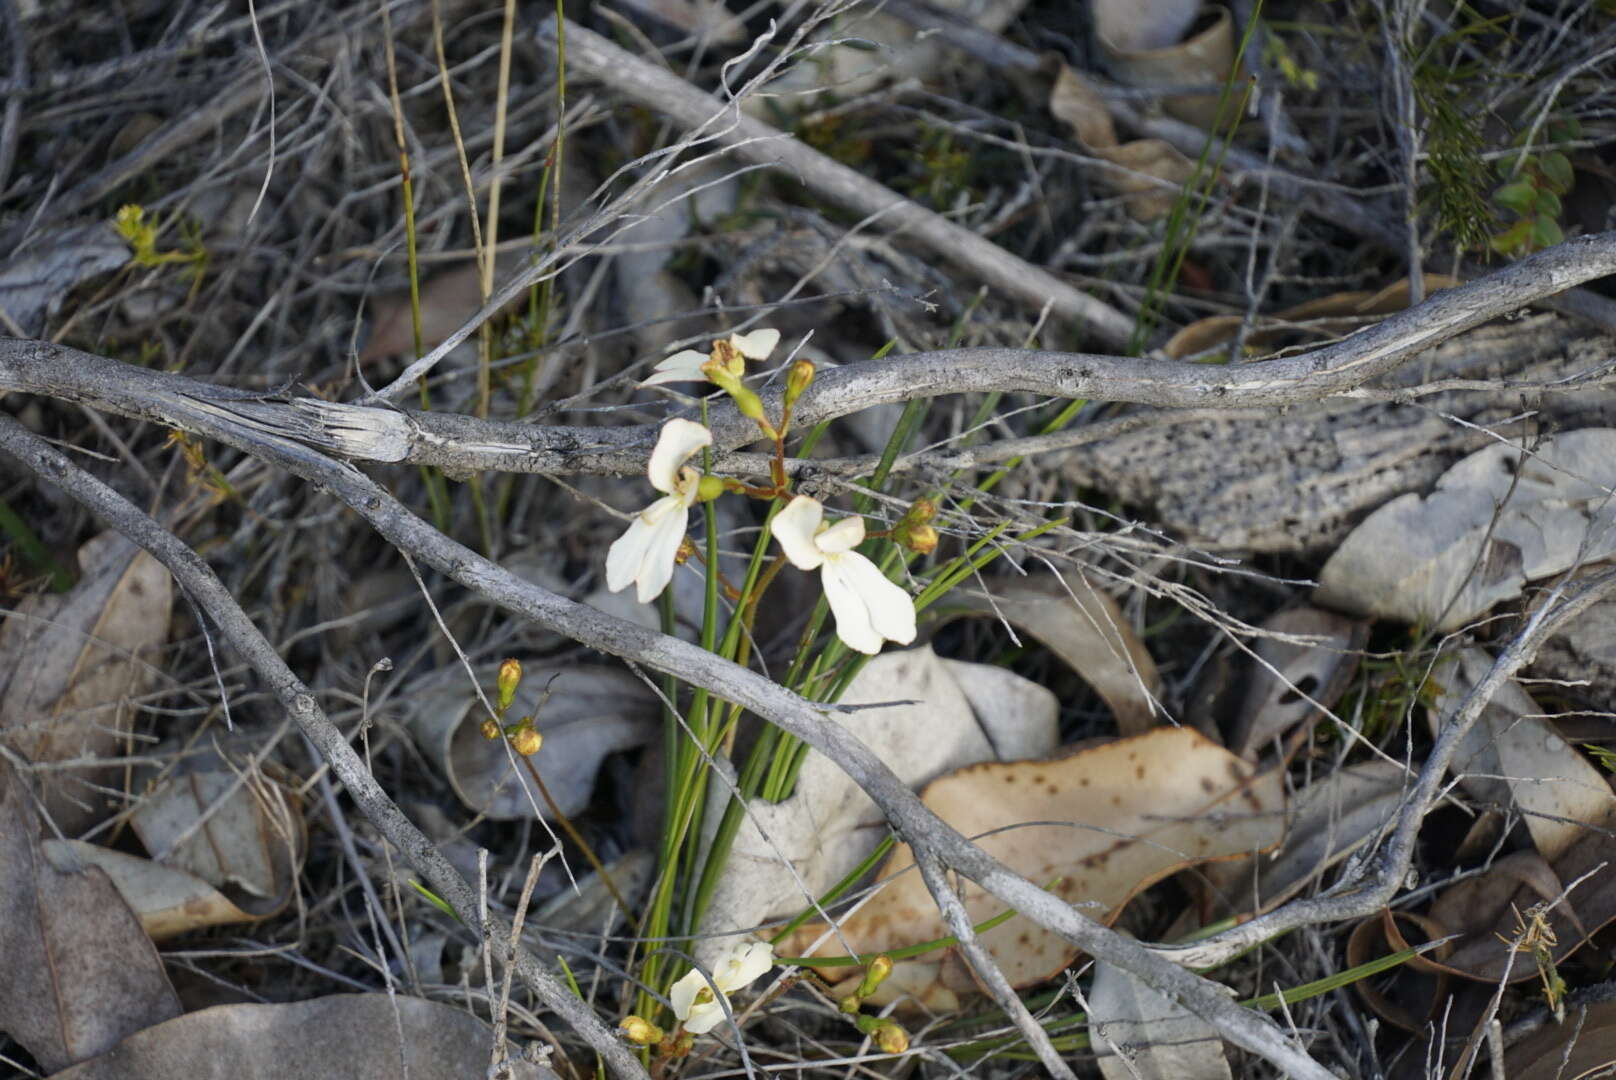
<point>795,527</point>
<point>645,553</point>
<point>757,345</point>
<point>853,623</point>
<point>704,1017</point>
<point>743,965</point>
<point>845,535</point>
<point>656,567</point>
<point>680,367</point>
<point>683,993</point>
<point>891,608</point>
<point>678,440</point>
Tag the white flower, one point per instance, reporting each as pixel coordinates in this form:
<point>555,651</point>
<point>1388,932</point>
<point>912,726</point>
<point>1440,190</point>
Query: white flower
<point>646,552</point>
<point>686,366</point>
<point>868,607</point>
<point>735,969</point>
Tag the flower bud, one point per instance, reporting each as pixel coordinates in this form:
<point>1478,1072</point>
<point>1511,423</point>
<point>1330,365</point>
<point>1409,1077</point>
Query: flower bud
<point>888,1035</point>
<point>526,741</point>
<point>799,379</point>
<point>640,1031</point>
<point>489,728</point>
<point>875,974</point>
<point>510,676</point>
<point>920,512</point>
<point>851,1004</point>
<point>921,539</point>
<point>709,488</point>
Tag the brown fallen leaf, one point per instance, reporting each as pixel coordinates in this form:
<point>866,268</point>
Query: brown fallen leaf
<point>79,973</point>
<point>234,823</point>
<point>1148,173</point>
<point>591,712</point>
<point>1085,628</point>
<point>1142,1034</point>
<point>167,901</point>
<point>1102,824</point>
<point>1318,319</point>
<point>1288,677</point>
<point>69,664</point>
<point>341,1037</point>
<point>1502,517</point>
<point>1580,1047</point>
<point>1160,56</point>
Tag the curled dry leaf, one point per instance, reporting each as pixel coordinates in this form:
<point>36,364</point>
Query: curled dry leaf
<point>1512,755</point>
<point>233,824</point>
<point>1141,1034</point>
<point>34,283</point>
<point>1580,1047</point>
<point>1100,824</point>
<point>1148,173</point>
<point>1292,680</point>
<point>79,972</point>
<point>1085,628</point>
<point>1500,518</point>
<point>1315,320</point>
<point>1154,56</point>
<point>167,901</point>
<point>69,665</point>
<point>591,712</point>
<point>947,714</point>
<point>1416,992</point>
<point>341,1037</point>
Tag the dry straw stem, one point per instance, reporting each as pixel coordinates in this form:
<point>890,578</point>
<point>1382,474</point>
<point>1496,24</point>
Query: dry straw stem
<point>589,54</point>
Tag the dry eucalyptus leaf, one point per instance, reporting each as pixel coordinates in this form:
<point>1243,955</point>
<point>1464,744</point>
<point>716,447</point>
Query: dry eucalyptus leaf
<point>1155,56</point>
<point>1498,519</point>
<point>1488,910</point>
<point>1148,173</point>
<point>79,973</point>
<point>1314,320</point>
<point>829,825</point>
<point>167,901</point>
<point>341,1037</point>
<point>1138,25</point>
<point>1085,628</point>
<point>1111,820</point>
<point>1289,677</point>
<point>1580,1047</point>
<point>34,284</point>
<point>69,664</point>
<point>1141,1034</point>
<point>591,712</point>
<point>232,824</point>
<point>1513,755</point>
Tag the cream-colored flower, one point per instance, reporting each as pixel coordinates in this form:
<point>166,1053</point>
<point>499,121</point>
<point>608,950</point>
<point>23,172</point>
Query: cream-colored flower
<point>686,366</point>
<point>868,607</point>
<point>694,1002</point>
<point>645,553</point>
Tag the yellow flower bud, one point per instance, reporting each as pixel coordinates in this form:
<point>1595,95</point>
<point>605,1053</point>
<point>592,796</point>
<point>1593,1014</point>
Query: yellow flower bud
<point>709,488</point>
<point>922,511</point>
<point>921,539</point>
<point>489,728</point>
<point>510,676</point>
<point>891,1038</point>
<point>640,1031</point>
<point>875,974</point>
<point>851,1004</point>
<point>527,741</point>
<point>799,379</point>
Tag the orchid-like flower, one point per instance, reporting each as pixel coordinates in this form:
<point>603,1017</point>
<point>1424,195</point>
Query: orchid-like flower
<point>686,366</point>
<point>693,1000</point>
<point>645,554</point>
<point>868,607</point>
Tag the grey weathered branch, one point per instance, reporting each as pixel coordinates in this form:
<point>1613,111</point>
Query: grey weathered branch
<point>463,442</point>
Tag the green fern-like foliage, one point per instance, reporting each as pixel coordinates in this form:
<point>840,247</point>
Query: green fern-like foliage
<point>1457,194</point>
